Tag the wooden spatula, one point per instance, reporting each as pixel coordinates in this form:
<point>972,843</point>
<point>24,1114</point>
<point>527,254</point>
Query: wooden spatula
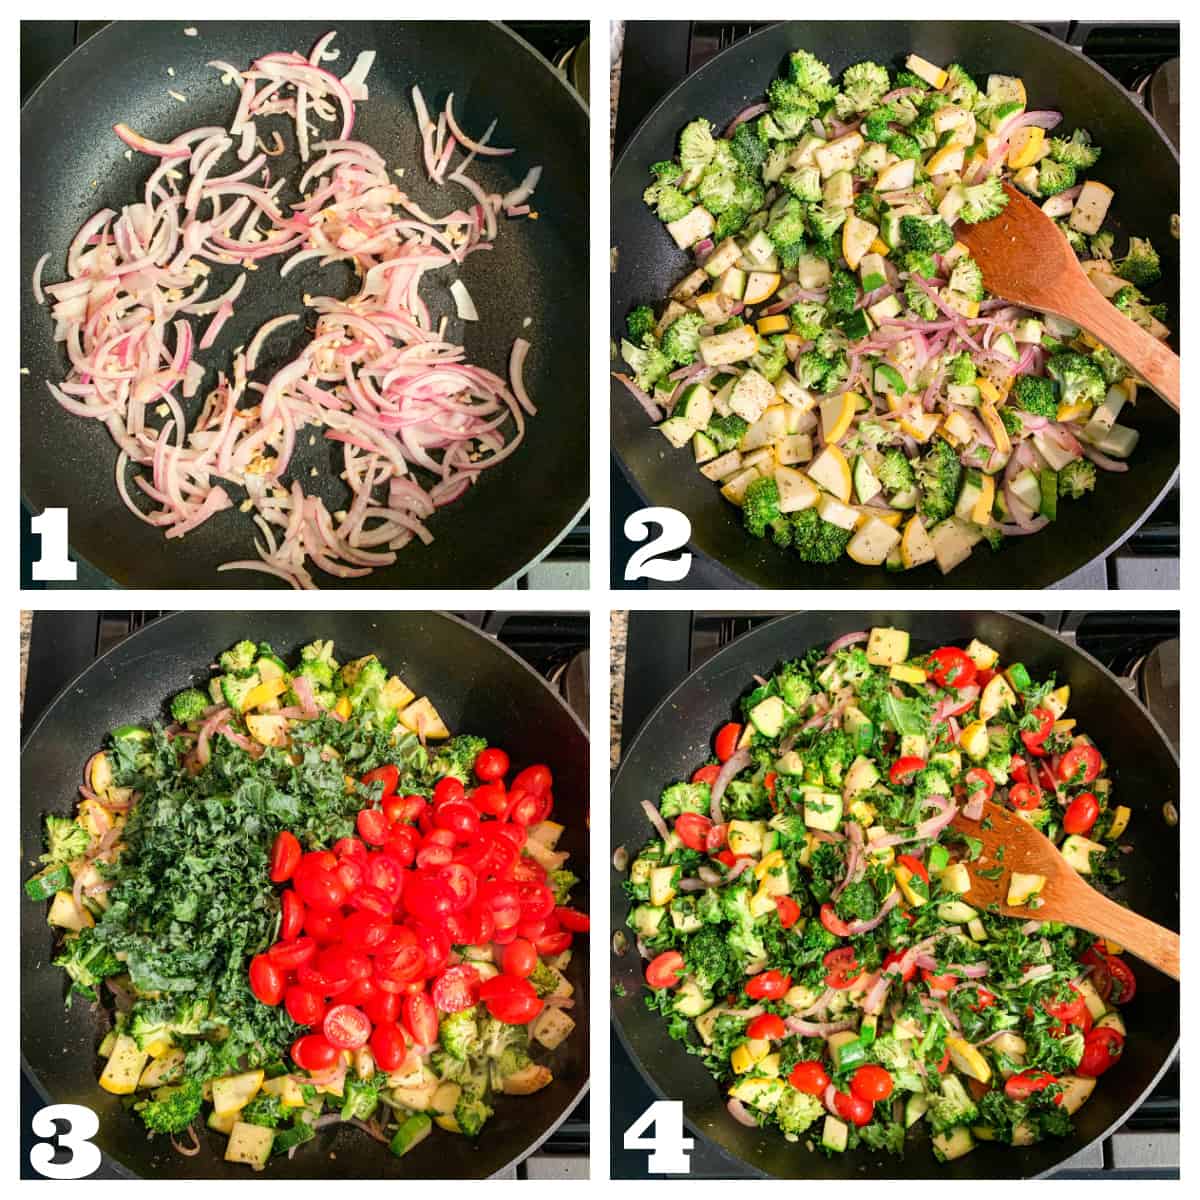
<point>1025,259</point>
<point>1012,844</point>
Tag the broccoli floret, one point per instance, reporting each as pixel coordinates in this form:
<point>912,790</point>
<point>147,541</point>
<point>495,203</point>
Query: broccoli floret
<point>640,322</point>
<point>796,1111</point>
<point>794,684</point>
<point>681,339</point>
<point>843,292</point>
<point>320,651</point>
<point>707,956</point>
<point>833,752</point>
<point>267,1110</point>
<point>497,1037</point>
<point>188,705</point>
<point>876,126</point>
<point>696,145</point>
<point>1054,177</point>
<point>727,432</point>
<point>360,1097</point>
<point>1101,244</point>
<point>544,978</point>
<point>967,278</point>
<point>457,756</point>
<point>1079,378</point>
<point>984,201</point>
<point>65,840</point>
<point>811,75</point>
<point>930,234</point>
<point>716,190</point>
<point>816,540</point>
<point>1076,240</point>
<point>959,87</point>
<point>951,1106</point>
<point>240,659</point>
<point>791,106</point>
<point>920,262</point>
<point>1134,305</point>
<point>458,1034</point>
<point>806,317</point>
<point>684,797</point>
<point>938,473</point>
<point>649,363</point>
<point>748,149</point>
<point>666,171</point>
<point>87,962</point>
<point>744,941</point>
<point>1140,264</point>
<point>471,1112</point>
<point>905,145</point>
<point>731,221</point>
<point>673,205</point>
<point>761,515</point>
<point>895,472</point>
<point>810,369</point>
<point>562,881</point>
<point>174,1108</point>
<point>786,228</point>
<point>862,86</point>
<point>918,301</point>
<point>1111,366</point>
<point>1035,395</point>
<point>825,222</point>
<point>771,358</point>
<point>319,674</point>
<point>1077,478</point>
<point>1076,151</point>
<point>960,369</point>
<point>804,183</point>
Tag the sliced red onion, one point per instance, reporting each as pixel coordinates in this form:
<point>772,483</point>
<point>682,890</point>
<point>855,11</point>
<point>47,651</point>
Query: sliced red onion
<point>858,927</point>
<point>968,970</point>
<point>817,1028</point>
<point>656,819</point>
<point>730,769</point>
<point>1041,971</point>
<point>1102,460</point>
<point>737,1110</point>
<point>648,405</point>
<point>973,809</point>
<point>847,639</point>
<point>873,1001</point>
<point>1031,927</point>
<point>854,861</point>
<point>932,826</point>
<point>710,876</point>
<point>620,858</point>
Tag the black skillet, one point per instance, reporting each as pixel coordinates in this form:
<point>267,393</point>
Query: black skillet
<point>1145,771</point>
<point>1137,161</point>
<point>476,684</point>
<point>72,164</point>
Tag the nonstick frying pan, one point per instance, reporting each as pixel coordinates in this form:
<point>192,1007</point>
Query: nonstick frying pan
<point>476,684</point>
<point>72,164</point>
<point>1145,773</point>
<point>1137,161</point>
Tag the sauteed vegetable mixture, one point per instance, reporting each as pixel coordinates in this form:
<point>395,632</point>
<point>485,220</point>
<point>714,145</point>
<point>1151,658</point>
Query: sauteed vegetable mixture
<point>303,902</point>
<point>801,907</point>
<point>833,360</point>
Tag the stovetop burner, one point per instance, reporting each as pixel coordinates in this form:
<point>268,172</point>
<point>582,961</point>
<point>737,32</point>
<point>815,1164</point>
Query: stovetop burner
<point>62,644</point>
<point>1142,648</point>
<point>1142,56</point>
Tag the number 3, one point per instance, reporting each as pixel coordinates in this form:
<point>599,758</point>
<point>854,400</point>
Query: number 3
<point>81,1124</point>
<point>676,530</point>
<point>668,1147</point>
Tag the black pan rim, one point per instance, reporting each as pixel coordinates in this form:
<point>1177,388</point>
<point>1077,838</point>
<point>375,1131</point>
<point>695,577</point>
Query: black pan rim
<point>265,582</point>
<point>934,583</point>
<point>35,1079</point>
<point>1023,622</point>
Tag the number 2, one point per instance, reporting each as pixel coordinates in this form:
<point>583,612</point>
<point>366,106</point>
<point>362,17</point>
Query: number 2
<point>676,530</point>
<point>668,1147</point>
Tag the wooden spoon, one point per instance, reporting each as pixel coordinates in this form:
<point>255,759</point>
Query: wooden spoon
<point>1026,260</point>
<point>1011,843</point>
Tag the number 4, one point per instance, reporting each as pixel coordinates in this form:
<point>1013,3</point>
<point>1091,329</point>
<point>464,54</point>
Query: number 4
<point>668,1147</point>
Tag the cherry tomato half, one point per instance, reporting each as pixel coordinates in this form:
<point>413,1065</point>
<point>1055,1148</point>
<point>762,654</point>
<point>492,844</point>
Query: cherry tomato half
<point>904,769</point>
<point>389,1046</point>
<point>1025,796</point>
<point>666,970</point>
<point>314,1052</point>
<point>1033,738</point>
<point>979,780</point>
<point>768,985</point>
<point>809,1076</point>
<point>1101,1049</point>
<point>952,668</point>
<point>706,774</point>
<point>372,825</point>
<point>285,856</point>
<point>491,764</point>
<point>421,1019</point>
<point>1080,764</point>
<point>287,956</point>
<point>303,1005</point>
<point>266,980</point>
<point>457,988</point>
<point>853,1109</point>
<point>788,910</point>
<point>510,1000</point>
<point>1124,983</point>
<point>1081,813</point>
<point>766,1027</point>
<point>841,968</point>
<point>1028,1083</point>
<point>291,919</point>
<point>871,1083</point>
<point>692,830</point>
<point>388,775</point>
<point>727,740</point>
